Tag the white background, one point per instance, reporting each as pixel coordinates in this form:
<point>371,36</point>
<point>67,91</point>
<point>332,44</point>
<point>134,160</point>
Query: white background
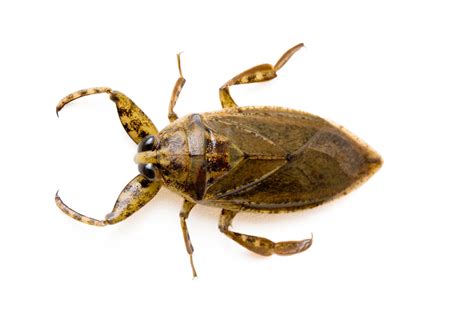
<point>399,74</point>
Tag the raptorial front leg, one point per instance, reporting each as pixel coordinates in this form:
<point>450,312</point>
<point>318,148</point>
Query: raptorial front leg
<point>176,91</point>
<point>135,122</point>
<point>260,245</point>
<point>260,73</point>
<point>183,216</point>
<point>138,192</point>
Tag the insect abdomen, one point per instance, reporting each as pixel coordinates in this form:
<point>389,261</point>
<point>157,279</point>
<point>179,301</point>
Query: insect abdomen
<point>289,160</point>
<point>267,159</point>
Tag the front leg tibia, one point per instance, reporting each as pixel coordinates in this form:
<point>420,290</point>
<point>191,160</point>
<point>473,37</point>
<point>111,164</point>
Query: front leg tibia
<point>138,192</point>
<point>135,122</point>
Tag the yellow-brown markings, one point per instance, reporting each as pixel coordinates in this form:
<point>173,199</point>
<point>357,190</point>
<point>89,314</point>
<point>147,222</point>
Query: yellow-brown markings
<point>78,94</point>
<point>76,215</point>
<point>257,159</point>
<point>138,192</point>
<point>134,196</point>
<point>260,73</point>
<point>260,245</point>
<point>135,122</point>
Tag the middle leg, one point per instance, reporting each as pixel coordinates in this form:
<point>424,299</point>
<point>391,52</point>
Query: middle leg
<point>183,216</point>
<point>178,86</point>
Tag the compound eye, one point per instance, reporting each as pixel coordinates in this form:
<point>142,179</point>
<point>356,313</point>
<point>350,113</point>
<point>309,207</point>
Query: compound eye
<point>147,143</point>
<point>147,170</point>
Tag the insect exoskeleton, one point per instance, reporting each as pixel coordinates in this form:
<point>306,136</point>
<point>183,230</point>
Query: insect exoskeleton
<point>261,159</point>
<point>266,159</point>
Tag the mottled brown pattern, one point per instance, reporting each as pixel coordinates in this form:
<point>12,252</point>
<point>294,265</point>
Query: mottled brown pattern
<point>221,156</point>
<point>135,122</point>
<point>138,192</point>
<point>134,196</point>
<point>173,157</point>
<point>258,159</point>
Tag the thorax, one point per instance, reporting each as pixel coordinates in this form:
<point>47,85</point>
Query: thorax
<point>192,156</point>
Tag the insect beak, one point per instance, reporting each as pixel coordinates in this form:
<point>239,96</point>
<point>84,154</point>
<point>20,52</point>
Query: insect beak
<point>146,157</point>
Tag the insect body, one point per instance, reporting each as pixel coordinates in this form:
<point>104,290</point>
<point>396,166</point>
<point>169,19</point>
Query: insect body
<point>257,159</point>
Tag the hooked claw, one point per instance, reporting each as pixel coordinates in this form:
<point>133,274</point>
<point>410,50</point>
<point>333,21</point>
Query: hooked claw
<point>78,94</point>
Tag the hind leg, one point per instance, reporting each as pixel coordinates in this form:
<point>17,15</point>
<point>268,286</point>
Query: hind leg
<point>260,73</point>
<point>260,245</point>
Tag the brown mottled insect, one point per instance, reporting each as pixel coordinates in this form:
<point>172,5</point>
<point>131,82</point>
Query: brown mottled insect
<point>256,159</point>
